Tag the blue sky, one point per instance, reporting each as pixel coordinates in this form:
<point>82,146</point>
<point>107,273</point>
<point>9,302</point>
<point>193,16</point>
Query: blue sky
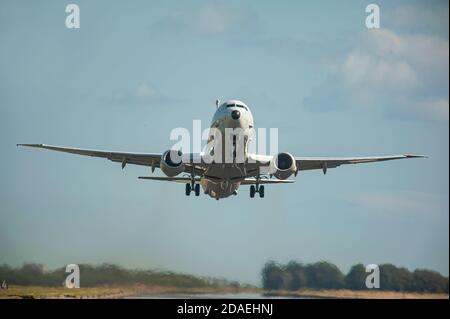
<point>134,71</point>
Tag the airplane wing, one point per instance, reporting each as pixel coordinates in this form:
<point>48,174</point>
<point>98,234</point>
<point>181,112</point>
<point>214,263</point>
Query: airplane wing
<point>323,163</point>
<point>146,159</point>
<point>153,160</point>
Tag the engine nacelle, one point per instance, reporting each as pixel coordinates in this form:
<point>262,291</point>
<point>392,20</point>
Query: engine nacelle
<point>171,163</point>
<point>283,165</point>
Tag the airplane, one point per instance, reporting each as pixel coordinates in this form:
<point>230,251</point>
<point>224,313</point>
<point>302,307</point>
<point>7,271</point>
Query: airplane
<point>221,179</point>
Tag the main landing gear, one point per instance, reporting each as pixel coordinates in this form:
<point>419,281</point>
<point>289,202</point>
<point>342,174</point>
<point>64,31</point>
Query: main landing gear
<point>257,189</point>
<point>192,186</point>
<point>195,188</point>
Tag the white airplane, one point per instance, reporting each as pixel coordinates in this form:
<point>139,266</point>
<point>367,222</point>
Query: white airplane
<point>222,179</point>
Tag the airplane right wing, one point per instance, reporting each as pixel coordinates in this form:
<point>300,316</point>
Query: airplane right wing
<point>147,159</point>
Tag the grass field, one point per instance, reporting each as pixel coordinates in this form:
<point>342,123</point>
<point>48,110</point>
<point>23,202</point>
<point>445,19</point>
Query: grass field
<point>26,292</point>
<point>23,292</point>
<point>356,294</point>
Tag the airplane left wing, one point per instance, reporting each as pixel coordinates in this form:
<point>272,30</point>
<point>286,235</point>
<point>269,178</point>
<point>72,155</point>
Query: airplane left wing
<point>147,159</point>
<point>308,163</point>
<point>324,163</point>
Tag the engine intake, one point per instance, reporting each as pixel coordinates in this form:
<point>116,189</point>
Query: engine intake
<point>283,165</point>
<point>171,163</point>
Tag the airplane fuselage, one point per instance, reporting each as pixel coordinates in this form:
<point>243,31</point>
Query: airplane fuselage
<point>223,179</point>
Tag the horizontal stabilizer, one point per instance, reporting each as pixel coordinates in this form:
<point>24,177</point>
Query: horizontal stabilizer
<point>170,179</point>
<point>252,181</point>
<point>247,181</point>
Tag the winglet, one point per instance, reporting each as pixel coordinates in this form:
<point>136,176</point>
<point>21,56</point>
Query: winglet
<point>415,156</point>
<point>30,145</point>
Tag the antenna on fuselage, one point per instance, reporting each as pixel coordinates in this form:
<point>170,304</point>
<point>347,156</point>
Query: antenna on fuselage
<point>217,103</point>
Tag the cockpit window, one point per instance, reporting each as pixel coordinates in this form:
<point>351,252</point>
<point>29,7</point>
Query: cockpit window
<point>237,105</point>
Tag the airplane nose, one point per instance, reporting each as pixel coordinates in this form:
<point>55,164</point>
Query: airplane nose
<point>235,115</point>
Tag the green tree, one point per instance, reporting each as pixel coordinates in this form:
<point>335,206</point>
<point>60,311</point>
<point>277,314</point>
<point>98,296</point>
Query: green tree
<point>298,275</point>
<point>356,277</point>
<point>324,275</point>
<point>395,279</point>
<point>429,281</point>
<point>274,277</point>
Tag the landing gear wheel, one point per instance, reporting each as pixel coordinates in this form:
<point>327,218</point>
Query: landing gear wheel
<point>197,189</point>
<point>252,191</point>
<point>188,189</point>
<point>261,191</point>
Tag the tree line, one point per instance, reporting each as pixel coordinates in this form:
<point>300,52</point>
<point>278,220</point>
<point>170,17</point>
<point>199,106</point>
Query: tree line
<point>291,276</point>
<point>325,275</point>
<point>32,274</point>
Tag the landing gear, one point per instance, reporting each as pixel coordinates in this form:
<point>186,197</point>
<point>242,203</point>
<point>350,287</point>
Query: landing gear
<point>188,189</point>
<point>257,189</point>
<point>195,188</point>
<point>192,186</point>
<point>261,191</point>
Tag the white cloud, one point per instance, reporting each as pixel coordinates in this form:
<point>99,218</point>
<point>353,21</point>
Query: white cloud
<point>440,109</point>
<point>385,59</point>
<point>437,109</point>
<point>421,50</point>
<point>373,72</point>
<point>405,76</point>
<point>432,17</point>
<point>142,94</point>
<point>208,19</point>
<point>213,19</point>
<point>145,91</point>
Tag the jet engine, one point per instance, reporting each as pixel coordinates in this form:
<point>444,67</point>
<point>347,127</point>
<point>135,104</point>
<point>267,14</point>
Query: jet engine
<point>171,163</point>
<point>283,165</point>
